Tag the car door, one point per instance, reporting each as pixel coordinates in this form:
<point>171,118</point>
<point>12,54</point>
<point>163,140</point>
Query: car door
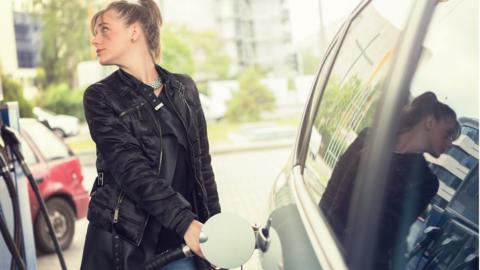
<point>63,168</point>
<point>353,69</point>
<point>38,168</point>
<point>366,86</point>
<point>347,103</point>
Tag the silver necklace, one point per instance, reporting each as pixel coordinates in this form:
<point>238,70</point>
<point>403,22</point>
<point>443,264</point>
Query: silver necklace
<point>156,83</point>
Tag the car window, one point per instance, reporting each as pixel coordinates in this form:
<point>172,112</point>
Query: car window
<point>47,142</point>
<point>27,152</point>
<point>449,68</point>
<point>347,107</point>
<point>352,91</point>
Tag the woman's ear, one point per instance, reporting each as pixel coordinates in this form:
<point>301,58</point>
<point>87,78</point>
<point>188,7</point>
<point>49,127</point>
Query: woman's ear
<point>134,32</point>
<point>429,122</point>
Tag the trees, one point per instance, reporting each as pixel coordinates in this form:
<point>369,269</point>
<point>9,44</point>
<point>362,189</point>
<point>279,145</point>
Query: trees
<point>309,60</point>
<point>12,91</point>
<point>65,39</point>
<point>60,98</point>
<point>351,101</point>
<point>250,99</point>
<point>176,53</point>
<point>195,53</point>
<point>211,62</point>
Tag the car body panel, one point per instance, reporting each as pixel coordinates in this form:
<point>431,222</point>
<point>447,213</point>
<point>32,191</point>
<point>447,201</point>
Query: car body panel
<point>56,178</point>
<point>288,199</point>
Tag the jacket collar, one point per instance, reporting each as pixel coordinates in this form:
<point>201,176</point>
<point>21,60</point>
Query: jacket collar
<point>172,84</point>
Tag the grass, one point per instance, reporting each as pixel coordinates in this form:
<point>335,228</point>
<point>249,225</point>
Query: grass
<point>80,146</point>
<point>288,121</point>
<point>219,131</point>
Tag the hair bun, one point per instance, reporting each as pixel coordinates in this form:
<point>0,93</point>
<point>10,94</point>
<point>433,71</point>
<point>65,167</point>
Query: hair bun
<point>426,99</point>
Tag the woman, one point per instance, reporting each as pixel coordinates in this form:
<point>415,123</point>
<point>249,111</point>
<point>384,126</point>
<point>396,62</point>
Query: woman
<point>155,185</point>
<point>426,126</point>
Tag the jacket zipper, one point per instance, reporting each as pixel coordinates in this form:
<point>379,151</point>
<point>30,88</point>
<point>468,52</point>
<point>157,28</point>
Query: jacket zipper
<point>159,129</point>
<point>135,107</point>
<point>117,207</point>
<point>116,213</point>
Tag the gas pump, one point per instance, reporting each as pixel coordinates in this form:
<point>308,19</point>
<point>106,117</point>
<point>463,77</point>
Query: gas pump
<point>14,205</point>
<point>17,246</point>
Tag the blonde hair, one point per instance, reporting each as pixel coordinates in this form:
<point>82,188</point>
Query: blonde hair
<point>146,12</point>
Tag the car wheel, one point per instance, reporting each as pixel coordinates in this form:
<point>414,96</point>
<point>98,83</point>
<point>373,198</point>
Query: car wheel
<point>63,222</point>
<point>59,133</point>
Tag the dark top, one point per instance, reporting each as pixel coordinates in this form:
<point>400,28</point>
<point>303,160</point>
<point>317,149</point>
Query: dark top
<point>409,189</point>
<point>176,167</point>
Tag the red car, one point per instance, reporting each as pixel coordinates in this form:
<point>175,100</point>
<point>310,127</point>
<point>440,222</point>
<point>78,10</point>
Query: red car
<point>59,176</point>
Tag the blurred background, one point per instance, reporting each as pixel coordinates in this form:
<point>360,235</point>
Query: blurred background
<point>253,62</point>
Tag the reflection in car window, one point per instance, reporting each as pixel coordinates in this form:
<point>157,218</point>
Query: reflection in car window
<point>350,98</point>
<point>47,142</point>
<point>27,152</point>
<point>449,67</point>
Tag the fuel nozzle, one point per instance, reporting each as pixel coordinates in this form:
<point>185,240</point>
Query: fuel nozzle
<point>263,237</point>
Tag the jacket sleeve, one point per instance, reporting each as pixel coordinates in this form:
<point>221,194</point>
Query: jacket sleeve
<point>125,160</point>
<point>206,159</point>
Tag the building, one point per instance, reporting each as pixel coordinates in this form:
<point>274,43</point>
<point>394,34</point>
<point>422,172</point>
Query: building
<point>255,32</point>
<point>8,55</point>
<point>21,43</point>
<point>28,39</point>
<point>457,163</point>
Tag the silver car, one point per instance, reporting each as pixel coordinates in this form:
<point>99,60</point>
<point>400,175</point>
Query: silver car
<point>386,54</point>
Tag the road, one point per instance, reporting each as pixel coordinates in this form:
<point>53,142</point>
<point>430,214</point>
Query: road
<point>244,180</point>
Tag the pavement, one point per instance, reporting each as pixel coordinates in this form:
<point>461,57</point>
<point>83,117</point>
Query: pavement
<point>243,177</point>
<point>244,180</point>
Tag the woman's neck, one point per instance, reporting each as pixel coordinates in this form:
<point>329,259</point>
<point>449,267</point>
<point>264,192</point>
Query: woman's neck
<point>409,142</point>
<point>141,67</point>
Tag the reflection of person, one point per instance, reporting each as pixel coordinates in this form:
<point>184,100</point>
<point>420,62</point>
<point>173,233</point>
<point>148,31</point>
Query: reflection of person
<point>426,126</point>
<point>155,185</point>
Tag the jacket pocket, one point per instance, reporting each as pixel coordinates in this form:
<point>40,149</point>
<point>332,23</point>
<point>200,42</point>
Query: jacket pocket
<point>129,221</point>
<point>110,208</point>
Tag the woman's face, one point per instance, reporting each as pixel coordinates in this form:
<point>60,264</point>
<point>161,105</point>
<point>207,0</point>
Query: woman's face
<point>443,132</point>
<point>111,38</point>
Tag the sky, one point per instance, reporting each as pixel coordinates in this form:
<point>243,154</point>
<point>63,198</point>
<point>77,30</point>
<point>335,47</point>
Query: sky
<point>305,15</point>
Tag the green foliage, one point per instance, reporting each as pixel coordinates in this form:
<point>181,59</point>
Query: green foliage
<point>61,99</point>
<point>291,84</point>
<point>343,109</point>
<point>310,61</point>
<point>176,52</point>
<point>195,53</point>
<point>40,78</point>
<point>65,39</point>
<point>335,102</point>
<point>250,99</point>
<point>210,59</point>
<point>203,88</point>
<point>12,91</point>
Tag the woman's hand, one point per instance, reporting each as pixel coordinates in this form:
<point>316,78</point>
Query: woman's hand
<point>192,237</point>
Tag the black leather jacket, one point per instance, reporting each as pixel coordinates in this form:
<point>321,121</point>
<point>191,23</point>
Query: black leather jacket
<point>129,154</point>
